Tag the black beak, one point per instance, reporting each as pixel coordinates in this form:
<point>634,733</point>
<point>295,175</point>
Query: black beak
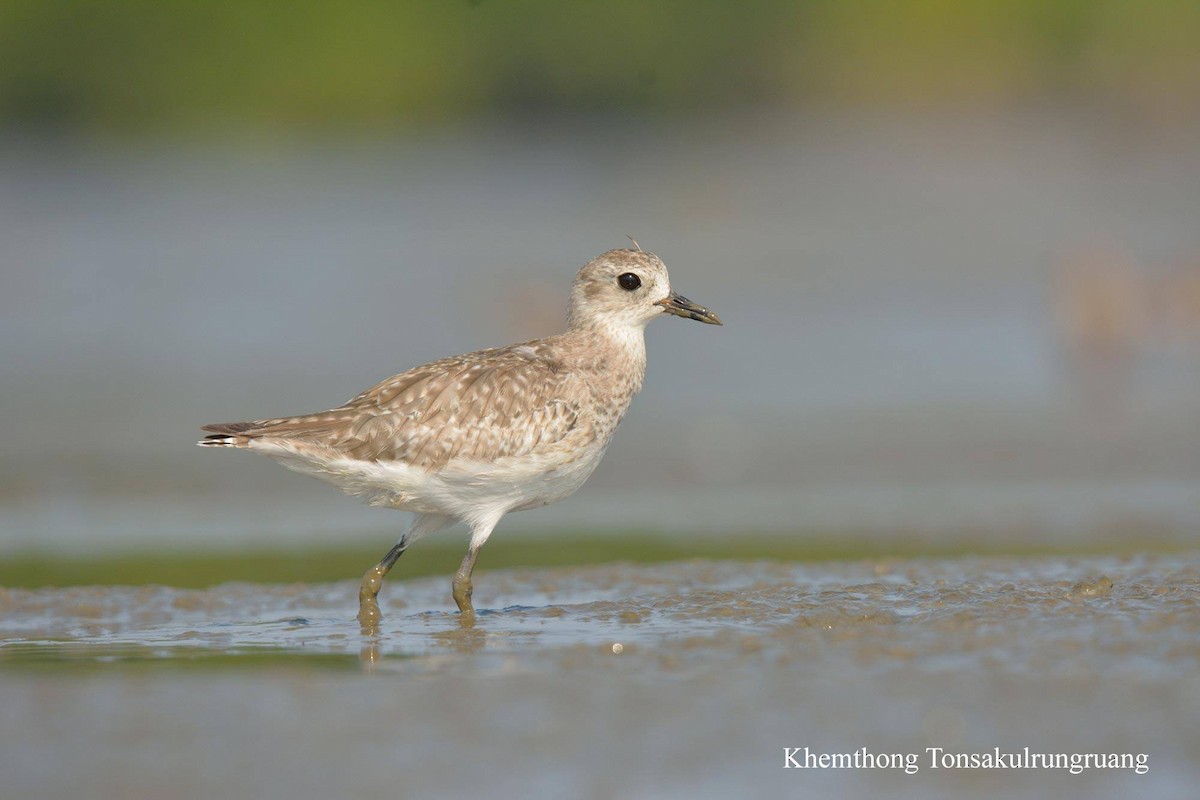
<point>680,306</point>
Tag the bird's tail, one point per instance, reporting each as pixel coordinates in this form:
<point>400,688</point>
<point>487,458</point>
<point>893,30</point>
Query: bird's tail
<point>307,428</point>
<point>228,434</point>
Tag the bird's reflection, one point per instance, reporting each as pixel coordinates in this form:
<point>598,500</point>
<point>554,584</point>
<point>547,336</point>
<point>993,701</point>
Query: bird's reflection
<point>455,638</point>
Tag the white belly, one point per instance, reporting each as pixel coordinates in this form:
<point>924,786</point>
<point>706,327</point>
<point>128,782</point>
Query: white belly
<point>462,490</point>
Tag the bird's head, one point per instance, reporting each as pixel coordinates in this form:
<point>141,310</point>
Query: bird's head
<point>627,289</point>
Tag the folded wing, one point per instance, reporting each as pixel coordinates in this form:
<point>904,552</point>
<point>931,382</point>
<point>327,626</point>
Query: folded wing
<point>482,406</point>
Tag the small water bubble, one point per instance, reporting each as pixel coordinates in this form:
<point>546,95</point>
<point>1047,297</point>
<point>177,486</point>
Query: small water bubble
<point>1093,588</point>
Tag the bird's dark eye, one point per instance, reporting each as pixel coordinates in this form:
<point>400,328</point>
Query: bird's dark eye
<point>629,281</point>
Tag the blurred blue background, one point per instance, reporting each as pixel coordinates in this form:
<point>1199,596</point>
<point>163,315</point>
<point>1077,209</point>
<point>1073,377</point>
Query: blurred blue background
<point>955,247</point>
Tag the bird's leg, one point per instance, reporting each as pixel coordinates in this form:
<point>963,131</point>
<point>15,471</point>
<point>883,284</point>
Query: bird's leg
<point>462,587</point>
<point>481,529</point>
<point>368,607</point>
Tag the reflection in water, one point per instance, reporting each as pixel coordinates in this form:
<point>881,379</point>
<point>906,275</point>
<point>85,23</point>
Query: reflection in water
<point>369,655</point>
<point>459,640</point>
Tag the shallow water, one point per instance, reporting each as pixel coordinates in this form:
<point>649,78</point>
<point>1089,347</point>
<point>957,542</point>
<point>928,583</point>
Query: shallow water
<point>642,681</point>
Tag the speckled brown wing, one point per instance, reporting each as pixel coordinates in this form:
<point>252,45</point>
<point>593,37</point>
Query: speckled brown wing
<point>487,405</point>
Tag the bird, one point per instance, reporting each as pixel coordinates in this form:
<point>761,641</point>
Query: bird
<point>473,437</point>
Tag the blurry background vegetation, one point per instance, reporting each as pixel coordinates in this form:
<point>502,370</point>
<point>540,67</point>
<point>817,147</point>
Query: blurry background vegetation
<point>955,245</point>
<point>187,66</point>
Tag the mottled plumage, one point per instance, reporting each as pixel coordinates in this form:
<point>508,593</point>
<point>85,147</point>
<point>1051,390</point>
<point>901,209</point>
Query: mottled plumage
<point>481,406</point>
<point>475,436</point>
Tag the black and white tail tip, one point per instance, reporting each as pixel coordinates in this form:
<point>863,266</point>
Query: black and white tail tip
<point>221,440</point>
<point>227,434</point>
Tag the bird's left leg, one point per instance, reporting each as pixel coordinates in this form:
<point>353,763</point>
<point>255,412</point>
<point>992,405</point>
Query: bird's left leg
<point>463,588</point>
<point>368,606</point>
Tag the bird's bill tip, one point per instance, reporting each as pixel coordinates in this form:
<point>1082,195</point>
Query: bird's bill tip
<point>680,306</point>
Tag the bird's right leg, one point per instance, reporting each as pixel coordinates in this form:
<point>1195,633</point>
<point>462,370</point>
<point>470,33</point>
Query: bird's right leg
<point>463,588</point>
<point>368,606</point>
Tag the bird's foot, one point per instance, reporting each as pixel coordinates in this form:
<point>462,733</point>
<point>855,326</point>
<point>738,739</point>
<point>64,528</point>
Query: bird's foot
<point>462,598</point>
<point>369,614</point>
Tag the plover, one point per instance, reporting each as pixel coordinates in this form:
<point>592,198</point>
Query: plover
<point>473,437</point>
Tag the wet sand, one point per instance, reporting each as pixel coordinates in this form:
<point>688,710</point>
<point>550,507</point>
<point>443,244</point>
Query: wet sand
<point>683,679</point>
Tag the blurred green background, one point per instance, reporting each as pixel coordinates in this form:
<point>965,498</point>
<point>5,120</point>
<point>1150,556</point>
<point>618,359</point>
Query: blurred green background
<point>954,242</point>
<point>126,67</point>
